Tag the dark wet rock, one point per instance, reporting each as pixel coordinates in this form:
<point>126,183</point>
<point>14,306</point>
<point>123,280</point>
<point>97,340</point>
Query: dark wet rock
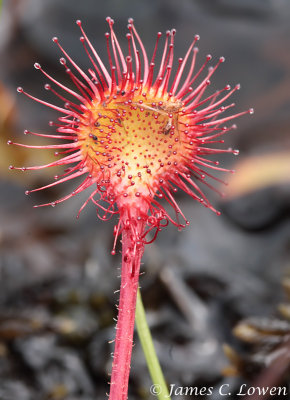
<point>256,9</point>
<point>36,352</point>
<point>99,352</point>
<point>258,210</point>
<point>13,389</point>
<point>77,325</point>
<point>53,365</point>
<point>265,357</point>
<point>68,370</point>
<point>247,263</point>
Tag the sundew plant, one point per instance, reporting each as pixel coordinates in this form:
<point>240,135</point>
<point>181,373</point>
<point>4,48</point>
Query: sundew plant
<point>136,132</point>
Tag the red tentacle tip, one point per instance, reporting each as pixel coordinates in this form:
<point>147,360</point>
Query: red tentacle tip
<point>222,59</point>
<point>78,22</point>
<point>19,89</point>
<point>9,142</point>
<point>27,192</point>
<point>110,21</point>
<point>196,37</point>
<point>251,111</point>
<point>130,20</point>
<point>37,66</point>
<point>55,39</point>
<point>11,167</point>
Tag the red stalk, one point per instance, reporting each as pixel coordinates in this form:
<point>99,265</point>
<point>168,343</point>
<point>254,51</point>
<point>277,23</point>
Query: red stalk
<point>131,259</point>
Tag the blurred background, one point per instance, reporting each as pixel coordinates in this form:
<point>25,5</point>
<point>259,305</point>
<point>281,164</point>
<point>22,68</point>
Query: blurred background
<point>215,293</point>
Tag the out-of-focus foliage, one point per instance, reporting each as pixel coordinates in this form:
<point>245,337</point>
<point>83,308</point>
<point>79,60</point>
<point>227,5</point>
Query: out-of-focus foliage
<point>258,172</point>
<point>7,119</point>
<point>19,156</point>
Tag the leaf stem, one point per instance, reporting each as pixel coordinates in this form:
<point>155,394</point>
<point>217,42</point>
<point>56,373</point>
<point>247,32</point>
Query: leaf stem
<point>153,364</point>
<point>131,259</point>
